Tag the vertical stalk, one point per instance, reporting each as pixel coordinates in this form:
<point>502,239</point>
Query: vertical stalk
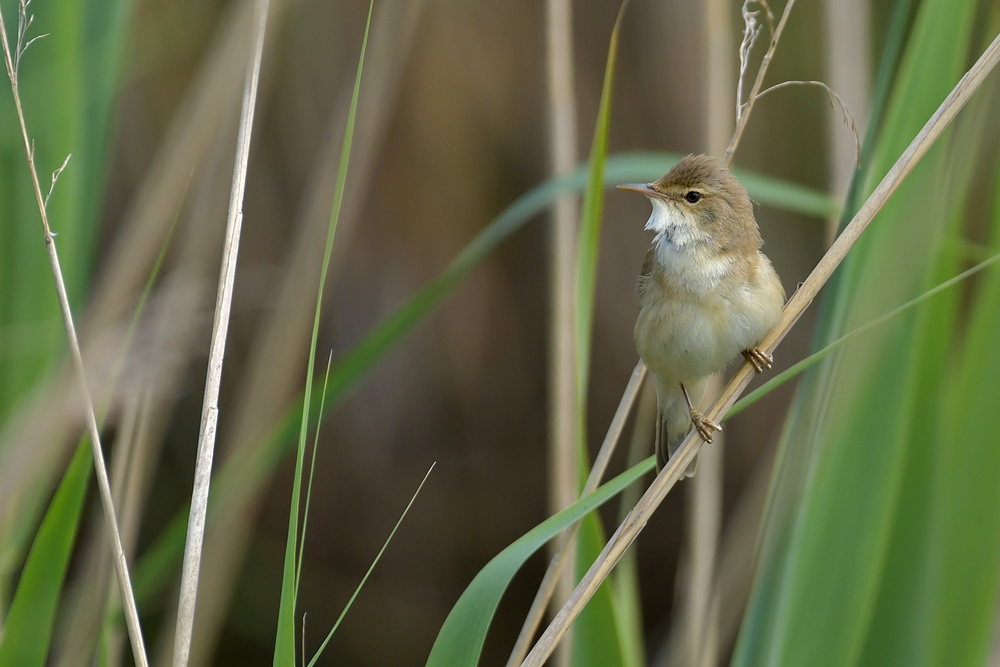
<point>564,478</point>
<point>210,408</point>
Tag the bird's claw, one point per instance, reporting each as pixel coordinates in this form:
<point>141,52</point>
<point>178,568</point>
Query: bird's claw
<point>759,359</point>
<point>704,425</point>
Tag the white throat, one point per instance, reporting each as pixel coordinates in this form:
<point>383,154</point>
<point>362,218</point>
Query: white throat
<point>681,249</point>
<point>673,224</point>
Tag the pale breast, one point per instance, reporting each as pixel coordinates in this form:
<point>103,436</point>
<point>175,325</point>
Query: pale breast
<point>695,317</point>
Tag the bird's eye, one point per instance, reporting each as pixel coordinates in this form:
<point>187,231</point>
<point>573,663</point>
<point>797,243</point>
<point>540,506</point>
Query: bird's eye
<point>692,197</point>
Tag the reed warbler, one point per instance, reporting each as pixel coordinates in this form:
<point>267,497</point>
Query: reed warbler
<point>706,293</point>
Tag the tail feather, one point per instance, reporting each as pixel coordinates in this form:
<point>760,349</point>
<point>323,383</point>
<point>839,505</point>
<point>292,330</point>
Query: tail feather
<point>673,421</point>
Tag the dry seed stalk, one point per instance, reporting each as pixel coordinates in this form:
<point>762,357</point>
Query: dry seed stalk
<point>12,62</point>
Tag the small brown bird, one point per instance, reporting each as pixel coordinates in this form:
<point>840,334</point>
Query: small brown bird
<point>706,292</point>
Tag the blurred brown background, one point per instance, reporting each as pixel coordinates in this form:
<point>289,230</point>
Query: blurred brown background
<point>453,131</point>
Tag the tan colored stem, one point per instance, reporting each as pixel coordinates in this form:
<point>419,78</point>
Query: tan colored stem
<point>564,477</point>
<point>121,567</point>
<point>210,409</point>
<point>104,487</point>
<point>657,491</point>
<point>562,552</point>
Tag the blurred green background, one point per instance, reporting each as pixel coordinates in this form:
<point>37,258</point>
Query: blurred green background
<point>877,476</point>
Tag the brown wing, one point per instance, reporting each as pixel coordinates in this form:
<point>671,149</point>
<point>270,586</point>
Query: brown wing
<point>646,275</point>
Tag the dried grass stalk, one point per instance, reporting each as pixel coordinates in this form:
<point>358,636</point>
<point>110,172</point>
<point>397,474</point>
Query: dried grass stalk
<point>12,62</point>
<point>210,409</point>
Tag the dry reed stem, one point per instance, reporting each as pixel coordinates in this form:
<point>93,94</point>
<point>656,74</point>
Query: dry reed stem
<point>657,491</point>
<point>562,551</point>
<point>121,567</point>
<point>210,410</point>
<point>743,110</point>
<point>563,464</point>
<point>107,503</point>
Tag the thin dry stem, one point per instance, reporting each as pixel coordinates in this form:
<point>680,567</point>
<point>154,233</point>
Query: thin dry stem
<point>835,101</point>
<point>657,491</point>
<point>210,409</point>
<point>743,112</point>
<point>104,488</point>
<point>562,552</point>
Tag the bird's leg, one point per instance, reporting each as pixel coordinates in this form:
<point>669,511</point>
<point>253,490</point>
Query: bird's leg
<point>704,425</point>
<point>761,360</point>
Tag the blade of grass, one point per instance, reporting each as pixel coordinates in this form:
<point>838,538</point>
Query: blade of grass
<point>284,644</point>
<point>312,471</point>
<point>562,135</point>
<point>27,630</point>
<point>86,620</point>
<point>371,567</point>
<point>596,642</point>
<point>562,553</point>
<point>963,581</point>
<point>460,639</point>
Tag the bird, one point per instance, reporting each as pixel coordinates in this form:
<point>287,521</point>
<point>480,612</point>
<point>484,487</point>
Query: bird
<point>706,292</point>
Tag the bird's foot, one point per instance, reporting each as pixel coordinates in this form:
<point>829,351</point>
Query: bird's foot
<point>760,360</point>
<point>704,425</point>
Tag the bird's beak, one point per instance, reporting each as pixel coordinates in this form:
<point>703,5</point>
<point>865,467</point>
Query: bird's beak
<point>641,188</point>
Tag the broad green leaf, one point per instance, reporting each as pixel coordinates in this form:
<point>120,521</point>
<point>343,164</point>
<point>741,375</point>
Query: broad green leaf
<point>27,630</point>
<point>461,638</point>
<point>964,530</point>
<point>240,479</point>
<point>838,539</point>
<point>284,642</point>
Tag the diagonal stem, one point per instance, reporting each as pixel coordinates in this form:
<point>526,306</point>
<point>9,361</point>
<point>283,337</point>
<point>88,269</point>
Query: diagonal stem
<point>562,552</point>
<point>657,491</point>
